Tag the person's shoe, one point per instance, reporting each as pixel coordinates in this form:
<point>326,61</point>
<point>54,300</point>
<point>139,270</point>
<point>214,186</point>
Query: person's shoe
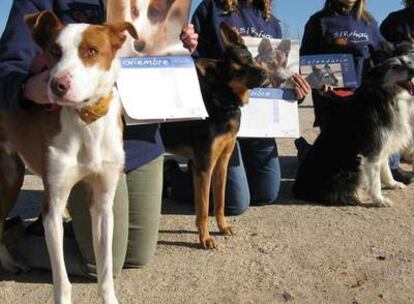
<point>402,176</point>
<point>303,147</point>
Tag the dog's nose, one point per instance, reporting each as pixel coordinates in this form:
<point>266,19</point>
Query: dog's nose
<point>139,45</point>
<point>60,86</point>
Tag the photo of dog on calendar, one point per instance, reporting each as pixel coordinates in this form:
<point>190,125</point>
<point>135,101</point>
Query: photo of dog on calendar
<point>278,57</point>
<point>158,22</point>
<point>336,70</point>
<point>319,75</point>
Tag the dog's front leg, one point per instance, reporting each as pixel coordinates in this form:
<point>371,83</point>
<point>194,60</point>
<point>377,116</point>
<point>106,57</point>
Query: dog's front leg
<point>374,184</point>
<point>55,202</point>
<point>387,178</point>
<point>102,230</point>
<point>219,188</point>
<point>202,180</point>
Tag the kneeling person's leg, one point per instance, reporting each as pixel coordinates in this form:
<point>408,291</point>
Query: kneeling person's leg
<point>261,160</point>
<point>145,191</point>
<point>79,202</point>
<point>237,190</point>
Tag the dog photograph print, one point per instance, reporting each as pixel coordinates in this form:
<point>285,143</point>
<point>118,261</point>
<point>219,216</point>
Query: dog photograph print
<point>336,70</point>
<point>319,75</point>
<point>279,58</point>
<point>158,22</point>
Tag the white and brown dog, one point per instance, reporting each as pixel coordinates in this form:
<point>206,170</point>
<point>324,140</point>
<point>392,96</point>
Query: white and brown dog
<point>158,22</point>
<point>82,141</point>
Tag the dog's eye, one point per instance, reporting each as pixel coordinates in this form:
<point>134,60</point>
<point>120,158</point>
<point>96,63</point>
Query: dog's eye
<point>91,52</point>
<point>135,12</point>
<point>153,13</point>
<point>56,51</point>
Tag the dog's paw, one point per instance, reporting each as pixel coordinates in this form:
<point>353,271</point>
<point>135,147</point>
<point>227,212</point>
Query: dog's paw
<point>395,185</point>
<point>399,185</point>
<point>382,202</point>
<point>228,230</point>
<point>208,243</point>
<point>9,264</point>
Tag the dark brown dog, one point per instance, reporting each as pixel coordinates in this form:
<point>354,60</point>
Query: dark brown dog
<point>209,143</point>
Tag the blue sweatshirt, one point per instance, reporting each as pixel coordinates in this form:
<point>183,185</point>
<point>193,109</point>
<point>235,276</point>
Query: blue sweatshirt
<point>330,32</point>
<point>398,26</point>
<point>247,19</point>
<point>142,143</point>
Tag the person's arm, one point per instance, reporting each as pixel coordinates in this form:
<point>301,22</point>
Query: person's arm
<point>312,37</point>
<point>16,53</point>
<point>199,20</point>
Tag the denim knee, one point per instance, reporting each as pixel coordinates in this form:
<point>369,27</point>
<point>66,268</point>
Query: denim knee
<point>237,188</point>
<point>394,161</point>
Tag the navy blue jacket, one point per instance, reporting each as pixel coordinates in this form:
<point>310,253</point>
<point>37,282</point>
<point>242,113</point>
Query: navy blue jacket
<point>330,32</point>
<point>142,143</point>
<point>398,26</point>
<point>249,21</point>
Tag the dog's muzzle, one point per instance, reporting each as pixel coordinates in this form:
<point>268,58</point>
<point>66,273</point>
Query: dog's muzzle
<point>408,85</point>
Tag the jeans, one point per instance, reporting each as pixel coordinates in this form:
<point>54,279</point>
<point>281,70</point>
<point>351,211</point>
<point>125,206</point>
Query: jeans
<point>394,161</point>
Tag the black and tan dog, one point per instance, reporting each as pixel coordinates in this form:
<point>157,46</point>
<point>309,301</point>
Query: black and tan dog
<point>209,143</point>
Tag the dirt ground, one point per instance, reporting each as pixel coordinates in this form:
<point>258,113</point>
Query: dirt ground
<point>292,252</point>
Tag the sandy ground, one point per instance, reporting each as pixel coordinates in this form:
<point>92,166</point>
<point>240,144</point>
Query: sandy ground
<point>286,253</point>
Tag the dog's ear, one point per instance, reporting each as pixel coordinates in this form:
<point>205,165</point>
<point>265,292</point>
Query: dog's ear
<point>315,68</point>
<point>265,47</point>
<point>230,37</point>
<point>117,33</point>
<point>159,9</point>
<point>43,26</point>
<point>285,46</point>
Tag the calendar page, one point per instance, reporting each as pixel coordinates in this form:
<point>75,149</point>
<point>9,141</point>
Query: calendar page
<point>270,113</point>
<point>160,88</point>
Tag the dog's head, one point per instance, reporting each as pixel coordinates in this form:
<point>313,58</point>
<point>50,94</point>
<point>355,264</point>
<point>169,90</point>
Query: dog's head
<point>274,61</point>
<point>80,57</point>
<point>237,71</point>
<point>395,76</point>
<point>158,22</point>
<point>324,75</point>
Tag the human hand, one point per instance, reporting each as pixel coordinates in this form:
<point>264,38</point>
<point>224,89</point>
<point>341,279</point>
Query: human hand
<point>35,88</point>
<point>327,88</point>
<point>189,37</point>
<point>302,87</point>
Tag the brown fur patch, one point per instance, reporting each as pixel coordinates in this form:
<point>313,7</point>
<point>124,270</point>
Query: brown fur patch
<point>44,27</point>
<point>101,42</point>
<point>116,11</point>
<point>240,89</point>
<point>96,47</point>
